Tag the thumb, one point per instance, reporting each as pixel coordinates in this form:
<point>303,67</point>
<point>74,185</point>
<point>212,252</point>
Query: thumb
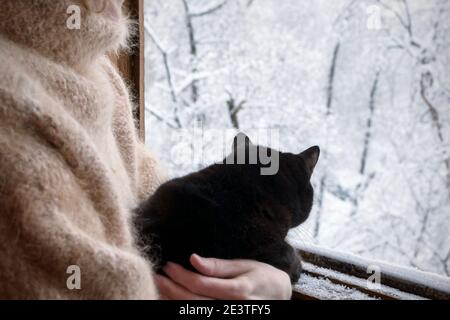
<point>220,268</point>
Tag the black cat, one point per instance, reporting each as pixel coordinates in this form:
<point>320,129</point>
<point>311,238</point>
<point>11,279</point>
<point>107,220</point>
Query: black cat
<point>232,211</point>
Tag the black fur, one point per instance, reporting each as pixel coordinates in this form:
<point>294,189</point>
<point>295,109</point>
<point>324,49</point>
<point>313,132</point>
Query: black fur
<point>231,211</point>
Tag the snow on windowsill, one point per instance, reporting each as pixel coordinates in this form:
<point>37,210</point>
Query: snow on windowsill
<point>322,288</point>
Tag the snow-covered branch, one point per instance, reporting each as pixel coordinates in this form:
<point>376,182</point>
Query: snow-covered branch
<point>207,10</point>
<point>161,118</point>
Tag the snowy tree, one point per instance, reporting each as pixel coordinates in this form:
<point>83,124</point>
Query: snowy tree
<point>367,80</point>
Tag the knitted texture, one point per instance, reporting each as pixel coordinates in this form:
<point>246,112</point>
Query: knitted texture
<point>71,165</point>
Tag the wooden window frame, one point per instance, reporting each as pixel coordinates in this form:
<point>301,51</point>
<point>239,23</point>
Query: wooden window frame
<point>131,66</point>
<point>353,276</point>
<point>351,273</point>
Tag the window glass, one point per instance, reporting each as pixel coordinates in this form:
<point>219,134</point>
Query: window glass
<point>367,81</point>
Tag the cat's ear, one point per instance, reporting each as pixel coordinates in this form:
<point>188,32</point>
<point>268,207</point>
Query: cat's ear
<point>310,156</point>
<point>241,140</point>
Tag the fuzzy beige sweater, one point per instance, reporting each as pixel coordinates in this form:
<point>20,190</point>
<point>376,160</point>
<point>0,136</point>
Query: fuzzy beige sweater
<point>71,166</point>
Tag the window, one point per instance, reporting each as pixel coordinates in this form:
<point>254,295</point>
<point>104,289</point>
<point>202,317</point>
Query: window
<point>368,81</point>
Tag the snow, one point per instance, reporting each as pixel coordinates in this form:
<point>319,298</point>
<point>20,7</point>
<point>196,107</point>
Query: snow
<point>362,283</point>
<point>416,276</point>
<point>275,57</point>
<point>324,289</point>
<point>207,9</point>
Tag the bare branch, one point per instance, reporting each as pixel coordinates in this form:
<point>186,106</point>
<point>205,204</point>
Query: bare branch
<point>329,93</point>
<point>427,79</point>
<point>436,24</point>
<point>368,134</point>
<point>408,18</point>
<point>250,2</point>
<point>331,76</point>
<point>233,109</point>
<point>192,48</point>
<point>398,15</point>
<point>155,39</point>
<point>407,25</point>
<point>194,77</point>
<point>160,118</point>
<point>165,57</point>
<point>209,10</point>
<point>343,12</point>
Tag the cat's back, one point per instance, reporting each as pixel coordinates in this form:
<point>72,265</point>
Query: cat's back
<point>219,194</point>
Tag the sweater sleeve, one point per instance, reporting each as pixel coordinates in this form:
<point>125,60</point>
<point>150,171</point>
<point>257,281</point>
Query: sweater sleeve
<point>55,242</point>
<point>64,234</point>
<point>149,173</point>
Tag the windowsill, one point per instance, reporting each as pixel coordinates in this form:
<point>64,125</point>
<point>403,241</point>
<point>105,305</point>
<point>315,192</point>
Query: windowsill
<point>333,275</point>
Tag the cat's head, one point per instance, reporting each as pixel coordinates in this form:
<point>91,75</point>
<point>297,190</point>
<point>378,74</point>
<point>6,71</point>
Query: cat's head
<point>286,175</point>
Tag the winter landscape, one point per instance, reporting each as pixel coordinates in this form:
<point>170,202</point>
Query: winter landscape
<point>367,81</point>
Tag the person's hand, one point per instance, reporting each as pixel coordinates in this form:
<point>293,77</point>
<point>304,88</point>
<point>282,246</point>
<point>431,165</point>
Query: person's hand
<point>224,280</point>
